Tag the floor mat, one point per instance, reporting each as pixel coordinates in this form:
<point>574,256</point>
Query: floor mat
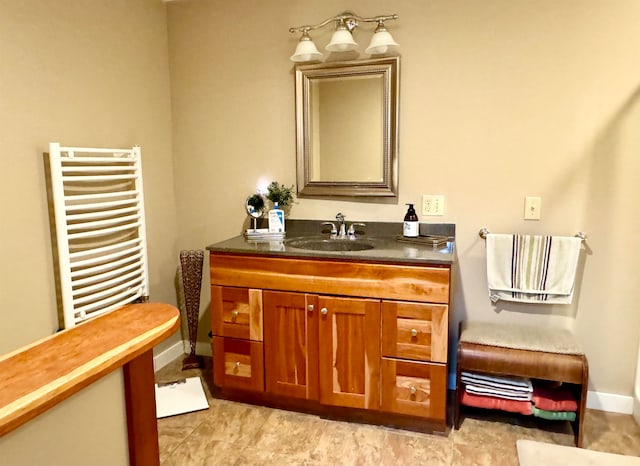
<point>531,453</point>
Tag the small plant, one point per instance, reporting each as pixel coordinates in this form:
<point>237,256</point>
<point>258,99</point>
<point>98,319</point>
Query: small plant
<point>256,201</point>
<point>279,193</point>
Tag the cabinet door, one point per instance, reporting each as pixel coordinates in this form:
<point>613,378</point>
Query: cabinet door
<point>415,331</point>
<point>414,388</point>
<point>349,339</point>
<point>238,364</point>
<point>236,312</point>
<point>291,344</point>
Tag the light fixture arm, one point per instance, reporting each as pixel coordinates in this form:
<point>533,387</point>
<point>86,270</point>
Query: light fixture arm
<point>349,19</point>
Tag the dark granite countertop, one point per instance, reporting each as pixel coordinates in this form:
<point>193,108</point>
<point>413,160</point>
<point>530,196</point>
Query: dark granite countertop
<point>381,234</point>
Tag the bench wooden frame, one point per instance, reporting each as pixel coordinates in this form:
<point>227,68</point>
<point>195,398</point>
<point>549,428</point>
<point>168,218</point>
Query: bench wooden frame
<point>571,369</point>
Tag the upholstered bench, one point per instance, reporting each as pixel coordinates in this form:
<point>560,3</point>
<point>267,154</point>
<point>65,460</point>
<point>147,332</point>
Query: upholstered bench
<point>523,351</point>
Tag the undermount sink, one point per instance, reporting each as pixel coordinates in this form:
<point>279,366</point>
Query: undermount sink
<point>331,244</point>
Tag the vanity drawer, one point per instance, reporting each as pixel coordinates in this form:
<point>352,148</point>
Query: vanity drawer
<point>414,388</point>
<point>238,364</point>
<point>236,312</point>
<point>415,331</point>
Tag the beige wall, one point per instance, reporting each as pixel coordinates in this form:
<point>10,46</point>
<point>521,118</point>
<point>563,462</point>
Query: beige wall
<point>82,72</point>
<point>499,100</point>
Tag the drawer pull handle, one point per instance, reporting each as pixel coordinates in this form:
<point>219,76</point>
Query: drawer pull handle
<point>236,366</point>
<point>413,390</point>
<point>310,307</point>
<point>414,332</point>
<point>324,311</point>
<point>234,316</point>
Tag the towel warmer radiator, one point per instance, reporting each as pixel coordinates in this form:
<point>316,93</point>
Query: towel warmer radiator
<point>100,234</point>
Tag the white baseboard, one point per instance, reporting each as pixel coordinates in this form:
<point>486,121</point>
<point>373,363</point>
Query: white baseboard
<point>177,350</point>
<point>595,400</point>
<point>610,402</point>
<point>165,357</point>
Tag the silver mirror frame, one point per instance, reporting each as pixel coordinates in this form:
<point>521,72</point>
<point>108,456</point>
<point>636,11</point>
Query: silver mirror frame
<point>389,69</point>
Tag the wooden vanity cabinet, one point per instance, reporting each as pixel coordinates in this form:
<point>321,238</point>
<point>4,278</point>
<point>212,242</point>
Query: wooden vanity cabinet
<point>341,334</point>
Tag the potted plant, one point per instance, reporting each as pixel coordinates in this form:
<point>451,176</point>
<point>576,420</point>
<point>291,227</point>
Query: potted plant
<point>279,193</point>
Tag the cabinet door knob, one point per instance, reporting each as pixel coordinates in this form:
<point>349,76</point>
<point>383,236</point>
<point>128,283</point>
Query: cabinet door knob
<point>234,315</point>
<point>310,307</point>
<point>236,366</point>
<point>324,311</point>
<point>413,390</point>
<point>414,332</point>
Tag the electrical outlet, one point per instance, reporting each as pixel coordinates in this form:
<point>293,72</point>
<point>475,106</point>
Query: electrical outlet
<point>532,207</point>
<point>432,204</point>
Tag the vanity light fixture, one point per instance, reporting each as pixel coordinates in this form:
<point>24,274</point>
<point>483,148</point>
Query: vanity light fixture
<point>306,50</point>
<point>381,42</point>
<point>342,39</point>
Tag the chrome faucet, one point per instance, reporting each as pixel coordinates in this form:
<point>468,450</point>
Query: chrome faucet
<point>334,232</point>
<point>351,233</point>
<point>341,230</point>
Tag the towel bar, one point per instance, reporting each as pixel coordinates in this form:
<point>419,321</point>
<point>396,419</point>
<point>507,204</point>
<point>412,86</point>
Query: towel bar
<point>484,232</point>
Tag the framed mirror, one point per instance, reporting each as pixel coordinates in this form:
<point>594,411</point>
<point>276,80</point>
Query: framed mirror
<point>347,128</point>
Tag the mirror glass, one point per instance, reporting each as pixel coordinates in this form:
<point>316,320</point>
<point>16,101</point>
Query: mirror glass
<point>255,207</point>
<point>347,130</point>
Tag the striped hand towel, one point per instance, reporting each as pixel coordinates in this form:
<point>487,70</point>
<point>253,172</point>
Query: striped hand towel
<point>532,269</point>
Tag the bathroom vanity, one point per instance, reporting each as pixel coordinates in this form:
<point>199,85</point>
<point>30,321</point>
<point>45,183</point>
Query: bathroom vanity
<point>357,334</point>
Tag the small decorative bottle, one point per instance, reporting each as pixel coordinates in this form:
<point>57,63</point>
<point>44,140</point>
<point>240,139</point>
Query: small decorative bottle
<point>411,228</point>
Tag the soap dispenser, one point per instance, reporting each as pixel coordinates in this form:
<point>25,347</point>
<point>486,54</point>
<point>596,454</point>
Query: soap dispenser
<point>411,227</point>
<point>276,219</point>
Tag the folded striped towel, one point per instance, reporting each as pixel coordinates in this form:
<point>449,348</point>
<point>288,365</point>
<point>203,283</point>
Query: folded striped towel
<point>531,268</point>
<point>518,384</point>
<point>496,392</point>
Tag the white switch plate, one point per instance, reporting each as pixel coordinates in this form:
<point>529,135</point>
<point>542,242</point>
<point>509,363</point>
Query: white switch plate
<point>432,204</point>
<point>532,207</point>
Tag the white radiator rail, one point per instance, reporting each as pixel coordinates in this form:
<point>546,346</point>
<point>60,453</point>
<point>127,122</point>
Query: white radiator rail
<point>103,232</point>
<point>100,232</point>
<point>111,283</point>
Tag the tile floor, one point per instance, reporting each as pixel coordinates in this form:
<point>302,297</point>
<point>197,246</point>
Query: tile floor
<point>230,433</point>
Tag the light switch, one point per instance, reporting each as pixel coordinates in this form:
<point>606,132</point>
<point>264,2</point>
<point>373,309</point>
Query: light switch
<point>532,207</point>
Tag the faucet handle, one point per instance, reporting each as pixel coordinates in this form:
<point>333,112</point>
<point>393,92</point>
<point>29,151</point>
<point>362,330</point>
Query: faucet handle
<point>352,228</point>
<point>334,231</point>
<point>340,217</point>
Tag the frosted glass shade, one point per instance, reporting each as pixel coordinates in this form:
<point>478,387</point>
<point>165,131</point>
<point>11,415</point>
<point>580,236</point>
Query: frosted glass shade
<point>306,50</point>
<point>381,42</point>
<point>341,41</point>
